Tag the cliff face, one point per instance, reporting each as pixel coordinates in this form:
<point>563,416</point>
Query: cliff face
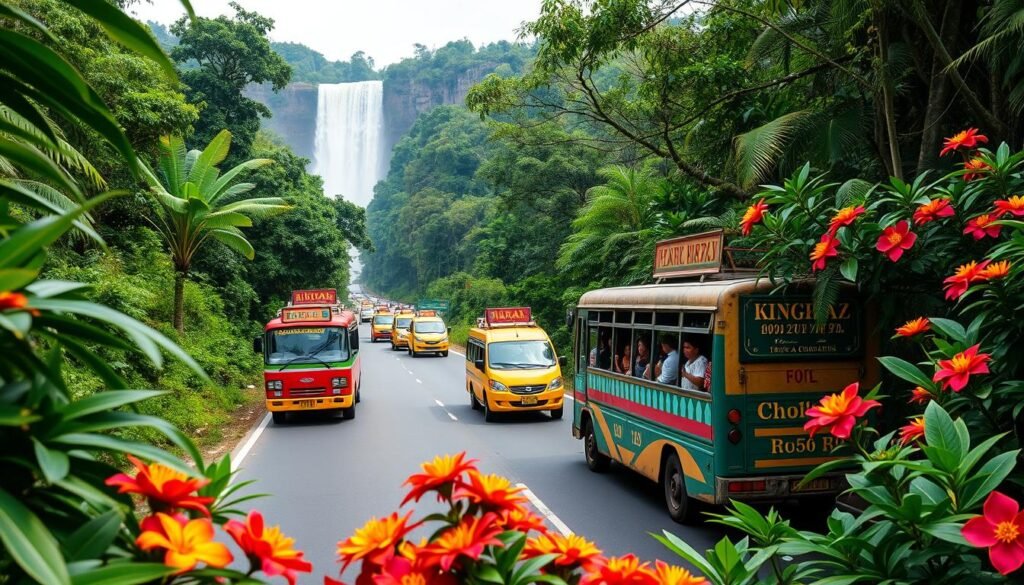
<point>294,109</point>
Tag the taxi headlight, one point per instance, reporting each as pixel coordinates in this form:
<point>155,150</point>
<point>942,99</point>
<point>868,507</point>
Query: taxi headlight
<point>498,386</point>
<point>555,384</point>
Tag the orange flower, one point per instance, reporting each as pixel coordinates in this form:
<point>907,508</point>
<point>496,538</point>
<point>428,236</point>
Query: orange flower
<point>933,210</point>
<point>956,373</point>
<point>438,475</point>
<point>966,139</point>
<point>468,539</point>
<point>522,520</point>
<point>186,542</point>
<point>572,550</point>
<point>981,226</point>
<point>754,214</point>
<point>845,216</point>
<point>375,541</point>
<point>919,396</point>
<point>914,327</point>
<point>823,250</point>
<point>975,169</point>
<point>165,488</point>
<point>626,570</point>
<point>12,300</point>
<point>895,240</point>
<point>963,278</point>
<point>404,571</point>
<point>837,413</point>
<point>492,492</point>
<point>995,270</point>
<point>913,431</point>
<point>672,575</point>
<point>1012,205</point>
<point>268,548</point>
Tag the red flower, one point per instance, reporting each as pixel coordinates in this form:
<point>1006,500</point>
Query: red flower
<point>995,271</point>
<point>468,539</point>
<point>492,492</point>
<point>268,548</point>
<point>845,216</point>
<point>837,413</point>
<point>12,300</point>
<point>914,327</point>
<point>186,542</point>
<point>753,215</point>
<point>573,551</point>
<point>438,475</point>
<point>913,431</point>
<point>975,169</point>
<point>981,226</point>
<point>1012,205</point>
<point>967,139</point>
<point>895,240</point>
<point>919,396</point>
<point>375,541</point>
<point>933,210</point>
<point>823,250</point>
<point>404,571</point>
<point>963,278</point>
<point>956,373</point>
<point>522,520</point>
<point>672,575</point>
<point>165,488</point>
<point>1001,530</point>
<point>626,570</point>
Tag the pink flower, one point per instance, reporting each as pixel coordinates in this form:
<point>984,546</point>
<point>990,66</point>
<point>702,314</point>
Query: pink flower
<point>895,240</point>
<point>1001,530</point>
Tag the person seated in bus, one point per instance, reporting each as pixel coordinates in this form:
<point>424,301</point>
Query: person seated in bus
<point>601,356</point>
<point>643,359</point>
<point>668,373</point>
<point>622,359</point>
<point>695,367</point>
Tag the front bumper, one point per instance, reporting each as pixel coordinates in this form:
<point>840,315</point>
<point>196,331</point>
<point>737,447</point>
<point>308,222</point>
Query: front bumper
<point>427,346</point>
<point>380,334</point>
<point>511,402</point>
<point>398,342</point>
<point>318,403</point>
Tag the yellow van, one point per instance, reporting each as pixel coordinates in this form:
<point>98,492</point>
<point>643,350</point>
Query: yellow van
<point>428,334</point>
<point>380,327</point>
<point>511,365</point>
<point>400,329</point>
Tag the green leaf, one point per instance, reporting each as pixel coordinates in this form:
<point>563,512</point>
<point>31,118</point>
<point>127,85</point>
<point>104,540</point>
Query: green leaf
<point>989,477</point>
<point>906,371</point>
<point>127,31</point>
<point>27,242</point>
<point>54,464</point>
<point>849,269</point>
<point>104,401</point>
<point>949,328</point>
<point>94,537</point>
<point>116,445</point>
<point>29,543</point>
<point>940,432</point>
<point>947,531</point>
<point>16,278</point>
<point>123,574</point>
<point>14,416</point>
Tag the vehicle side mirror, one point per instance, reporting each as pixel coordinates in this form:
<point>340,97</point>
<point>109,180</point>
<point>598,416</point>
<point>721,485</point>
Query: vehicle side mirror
<point>257,344</point>
<point>479,364</point>
<point>562,361</point>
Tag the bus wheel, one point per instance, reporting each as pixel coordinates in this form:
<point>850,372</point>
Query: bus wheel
<point>596,461</point>
<point>348,413</point>
<point>680,508</point>
<point>473,402</point>
<point>279,417</point>
<point>557,413</point>
<point>489,415</point>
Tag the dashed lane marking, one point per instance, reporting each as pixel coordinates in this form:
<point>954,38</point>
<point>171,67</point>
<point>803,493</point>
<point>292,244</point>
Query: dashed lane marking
<point>445,409</point>
<point>418,381</point>
<point>544,510</point>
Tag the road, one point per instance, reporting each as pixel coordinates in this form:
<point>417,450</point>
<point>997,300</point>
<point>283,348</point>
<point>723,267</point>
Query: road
<point>328,476</point>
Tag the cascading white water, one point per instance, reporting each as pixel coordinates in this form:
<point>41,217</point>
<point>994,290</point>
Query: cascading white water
<point>349,131</point>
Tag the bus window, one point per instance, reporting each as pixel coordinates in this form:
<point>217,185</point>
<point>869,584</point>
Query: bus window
<point>601,353</point>
<point>694,368</point>
<point>666,370</point>
<point>643,353</point>
<point>622,344</point>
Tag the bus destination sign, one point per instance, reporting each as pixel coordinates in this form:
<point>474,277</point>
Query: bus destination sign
<point>508,316</point>
<point>310,314</point>
<point>783,328</point>
<point>689,255</point>
<point>320,296</point>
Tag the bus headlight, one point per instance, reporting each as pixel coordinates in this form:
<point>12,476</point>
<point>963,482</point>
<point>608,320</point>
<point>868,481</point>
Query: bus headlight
<point>274,385</point>
<point>555,384</point>
<point>498,386</point>
<point>278,393</point>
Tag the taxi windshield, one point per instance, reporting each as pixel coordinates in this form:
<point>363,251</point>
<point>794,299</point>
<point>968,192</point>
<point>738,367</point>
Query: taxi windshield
<point>299,344</point>
<point>383,319</point>
<point>403,322</point>
<point>429,327</point>
<point>520,355</point>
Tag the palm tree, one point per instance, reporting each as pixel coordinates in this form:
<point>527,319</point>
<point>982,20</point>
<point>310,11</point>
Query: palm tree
<point>196,203</point>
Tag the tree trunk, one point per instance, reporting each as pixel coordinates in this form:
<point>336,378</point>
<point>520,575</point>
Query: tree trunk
<point>888,106</point>
<point>931,132</point>
<point>179,301</point>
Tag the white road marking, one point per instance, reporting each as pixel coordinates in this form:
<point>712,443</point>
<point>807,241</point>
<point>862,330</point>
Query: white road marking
<point>545,511</point>
<point>569,397</point>
<point>237,461</point>
<point>441,404</point>
<point>418,381</point>
<point>451,416</point>
<point>457,353</point>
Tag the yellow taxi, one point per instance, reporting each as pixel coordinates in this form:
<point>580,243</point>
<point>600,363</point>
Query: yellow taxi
<point>400,329</point>
<point>380,326</point>
<point>511,365</point>
<point>428,334</point>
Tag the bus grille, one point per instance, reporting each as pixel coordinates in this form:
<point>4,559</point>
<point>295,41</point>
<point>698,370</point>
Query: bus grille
<point>527,389</point>
<point>304,392</point>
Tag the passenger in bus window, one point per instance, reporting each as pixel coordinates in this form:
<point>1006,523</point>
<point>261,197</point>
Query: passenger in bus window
<point>643,359</point>
<point>623,358</point>
<point>670,364</point>
<point>695,367</point>
<point>601,355</point>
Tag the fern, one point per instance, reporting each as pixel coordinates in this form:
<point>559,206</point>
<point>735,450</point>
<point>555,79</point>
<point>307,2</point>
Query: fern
<point>758,151</point>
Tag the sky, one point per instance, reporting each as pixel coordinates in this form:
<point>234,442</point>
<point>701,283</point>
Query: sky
<point>385,29</point>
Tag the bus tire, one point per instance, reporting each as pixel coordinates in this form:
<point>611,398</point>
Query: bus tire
<point>348,413</point>
<point>597,462</point>
<point>280,418</point>
<point>673,485</point>
<point>489,415</point>
<point>556,414</point>
<point>473,402</point>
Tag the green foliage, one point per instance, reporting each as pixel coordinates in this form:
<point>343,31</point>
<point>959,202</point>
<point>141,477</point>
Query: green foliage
<point>312,67</point>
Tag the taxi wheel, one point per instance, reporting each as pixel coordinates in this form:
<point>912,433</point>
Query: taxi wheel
<point>557,413</point>
<point>444,353</point>
<point>596,461</point>
<point>473,402</point>
<point>489,415</point>
<point>680,508</point>
<point>279,417</point>
<point>348,413</point>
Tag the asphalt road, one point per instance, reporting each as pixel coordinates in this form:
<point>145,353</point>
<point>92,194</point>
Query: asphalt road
<point>328,476</point>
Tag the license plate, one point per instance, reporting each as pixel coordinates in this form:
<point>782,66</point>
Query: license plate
<point>306,403</point>
<point>529,400</point>
<point>815,485</point>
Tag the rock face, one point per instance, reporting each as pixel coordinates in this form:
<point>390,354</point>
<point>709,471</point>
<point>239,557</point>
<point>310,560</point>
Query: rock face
<point>294,109</point>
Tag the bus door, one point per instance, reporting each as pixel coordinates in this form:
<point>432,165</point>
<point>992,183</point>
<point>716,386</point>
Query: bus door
<point>580,365</point>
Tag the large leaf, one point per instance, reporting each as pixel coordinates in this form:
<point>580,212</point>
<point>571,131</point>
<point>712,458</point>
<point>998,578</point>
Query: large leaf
<point>29,543</point>
<point>54,464</point>
<point>30,158</point>
<point>29,240</point>
<point>104,401</point>
<point>172,163</point>
<point>226,178</point>
<point>94,537</point>
<point>759,150</point>
<point>906,370</point>
<point>214,153</point>
<point>123,574</point>
<point>119,446</point>
<point>235,241</point>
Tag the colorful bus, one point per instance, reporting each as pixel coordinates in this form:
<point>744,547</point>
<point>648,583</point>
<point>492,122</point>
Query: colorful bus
<point>311,358</point>
<point>702,386</point>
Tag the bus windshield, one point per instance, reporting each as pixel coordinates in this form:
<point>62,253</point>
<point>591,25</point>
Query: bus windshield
<point>383,319</point>
<point>429,327</point>
<point>403,322</point>
<point>326,344</point>
<point>520,355</point>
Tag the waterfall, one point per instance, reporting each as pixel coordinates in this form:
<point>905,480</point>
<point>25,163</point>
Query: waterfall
<point>348,144</point>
